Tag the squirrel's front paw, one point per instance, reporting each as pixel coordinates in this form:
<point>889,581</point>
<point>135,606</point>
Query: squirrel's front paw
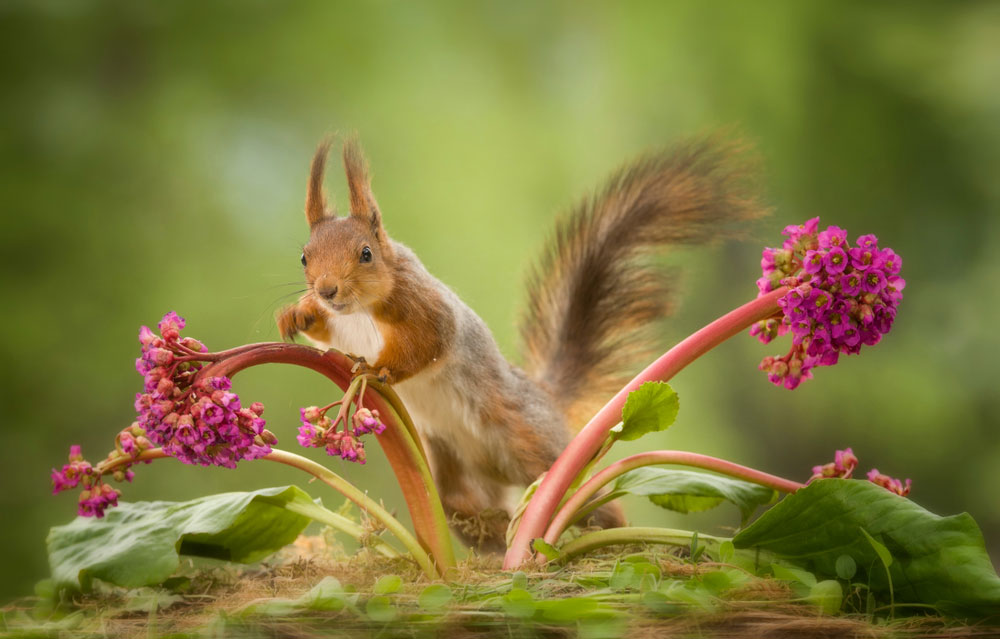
<point>293,320</point>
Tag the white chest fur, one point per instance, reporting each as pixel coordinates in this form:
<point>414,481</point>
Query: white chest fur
<point>430,397</point>
<point>356,334</point>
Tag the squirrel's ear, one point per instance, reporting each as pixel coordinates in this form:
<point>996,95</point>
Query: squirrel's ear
<point>363,203</point>
<point>315,196</point>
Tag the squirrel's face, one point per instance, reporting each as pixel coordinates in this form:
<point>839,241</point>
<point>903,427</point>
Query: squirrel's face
<point>346,264</point>
<point>348,259</point>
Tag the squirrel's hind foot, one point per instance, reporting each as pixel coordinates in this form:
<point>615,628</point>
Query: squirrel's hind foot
<point>362,367</point>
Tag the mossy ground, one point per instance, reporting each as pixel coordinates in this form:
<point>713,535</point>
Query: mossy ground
<point>314,589</point>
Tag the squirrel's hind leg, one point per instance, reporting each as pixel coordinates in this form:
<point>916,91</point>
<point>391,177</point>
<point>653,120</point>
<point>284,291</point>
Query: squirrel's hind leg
<point>472,503</point>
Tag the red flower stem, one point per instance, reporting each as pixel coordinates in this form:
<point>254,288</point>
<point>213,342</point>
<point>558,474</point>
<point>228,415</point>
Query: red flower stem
<point>399,440</point>
<point>564,518</point>
<point>330,405</point>
<point>588,442</point>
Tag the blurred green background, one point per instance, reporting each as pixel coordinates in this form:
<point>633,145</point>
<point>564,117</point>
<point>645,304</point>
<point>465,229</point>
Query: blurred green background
<point>154,157</point>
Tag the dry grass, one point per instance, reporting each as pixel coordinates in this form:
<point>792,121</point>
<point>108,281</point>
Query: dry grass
<point>212,599</point>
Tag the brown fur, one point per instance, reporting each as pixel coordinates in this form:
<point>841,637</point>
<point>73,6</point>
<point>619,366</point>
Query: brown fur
<point>415,324</point>
<point>315,196</point>
<point>466,502</point>
<point>308,317</point>
<point>596,294</point>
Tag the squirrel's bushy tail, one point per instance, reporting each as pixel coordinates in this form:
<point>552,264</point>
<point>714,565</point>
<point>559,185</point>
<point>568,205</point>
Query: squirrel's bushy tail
<point>596,293</point>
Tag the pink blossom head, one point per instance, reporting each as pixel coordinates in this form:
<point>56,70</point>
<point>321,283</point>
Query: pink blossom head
<point>367,421</point>
<point>841,298</point>
<point>199,421</point>
<point>843,465</point>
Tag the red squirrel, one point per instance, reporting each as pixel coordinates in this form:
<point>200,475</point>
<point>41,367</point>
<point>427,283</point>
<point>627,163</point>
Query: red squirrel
<point>593,300</point>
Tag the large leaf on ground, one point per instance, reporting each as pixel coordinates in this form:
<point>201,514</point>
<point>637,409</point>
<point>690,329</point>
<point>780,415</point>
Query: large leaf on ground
<point>139,544</point>
<point>651,407</point>
<point>688,491</point>
<point>940,561</point>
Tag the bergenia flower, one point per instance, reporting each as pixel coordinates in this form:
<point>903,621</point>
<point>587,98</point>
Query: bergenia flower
<point>901,488</point>
<point>843,465</point>
<point>319,431</point>
<point>198,422</point>
<point>96,496</point>
<point>841,298</point>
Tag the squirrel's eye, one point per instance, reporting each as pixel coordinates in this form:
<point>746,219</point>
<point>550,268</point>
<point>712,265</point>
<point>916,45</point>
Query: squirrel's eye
<point>366,255</point>
<point>303,259</point>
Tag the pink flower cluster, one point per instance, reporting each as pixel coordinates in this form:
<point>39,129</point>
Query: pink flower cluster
<point>890,483</point>
<point>841,298</point>
<point>198,421</point>
<point>96,497</point>
<point>318,430</point>
<point>843,465</point>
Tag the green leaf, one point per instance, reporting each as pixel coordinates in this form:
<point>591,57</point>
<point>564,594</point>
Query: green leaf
<point>623,576</point>
<point>716,581</point>
<point>883,553</point>
<point>434,597</point>
<point>566,610</point>
<point>827,595</point>
<point>688,491</point>
<point>518,603</point>
<point>650,408</point>
<point>846,567</point>
<point>787,573</point>
<point>519,580</point>
<point>380,609</point>
<point>726,551</point>
<point>328,594</point>
<point>388,584</point>
<point>139,544</point>
<point>938,561</point>
<point>546,549</point>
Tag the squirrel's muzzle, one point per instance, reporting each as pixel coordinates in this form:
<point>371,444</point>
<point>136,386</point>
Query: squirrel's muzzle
<point>328,292</point>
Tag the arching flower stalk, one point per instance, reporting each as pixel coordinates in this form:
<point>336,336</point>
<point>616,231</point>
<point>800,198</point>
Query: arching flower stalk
<point>187,410</point>
<point>831,296</point>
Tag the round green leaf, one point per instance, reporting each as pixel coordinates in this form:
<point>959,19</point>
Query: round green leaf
<point>380,609</point>
<point>846,567</point>
<point>387,584</point>
<point>434,597</point>
<point>827,595</point>
<point>650,408</point>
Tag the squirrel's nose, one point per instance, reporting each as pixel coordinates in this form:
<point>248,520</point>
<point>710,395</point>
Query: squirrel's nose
<point>328,292</point>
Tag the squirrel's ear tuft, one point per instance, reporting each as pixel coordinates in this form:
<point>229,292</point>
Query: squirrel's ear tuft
<point>315,196</point>
<point>363,203</point>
